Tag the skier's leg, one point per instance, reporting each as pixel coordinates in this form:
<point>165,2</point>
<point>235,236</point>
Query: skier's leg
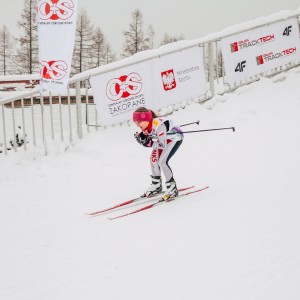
<point>167,153</point>
<point>156,186</point>
<point>164,158</point>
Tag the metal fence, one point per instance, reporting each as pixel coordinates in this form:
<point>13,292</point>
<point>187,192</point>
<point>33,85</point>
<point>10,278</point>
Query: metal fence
<point>36,118</point>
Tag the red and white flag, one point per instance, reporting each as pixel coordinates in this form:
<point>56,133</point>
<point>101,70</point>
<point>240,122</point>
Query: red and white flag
<point>56,32</point>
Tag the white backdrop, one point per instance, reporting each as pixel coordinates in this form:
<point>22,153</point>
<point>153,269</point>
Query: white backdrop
<point>155,84</point>
<point>179,76</point>
<point>120,92</point>
<point>259,50</point>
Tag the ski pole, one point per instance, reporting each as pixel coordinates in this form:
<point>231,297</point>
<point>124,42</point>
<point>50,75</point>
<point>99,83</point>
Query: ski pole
<point>231,128</point>
<point>197,122</point>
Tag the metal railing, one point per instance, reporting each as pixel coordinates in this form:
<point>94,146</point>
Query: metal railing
<point>37,118</point>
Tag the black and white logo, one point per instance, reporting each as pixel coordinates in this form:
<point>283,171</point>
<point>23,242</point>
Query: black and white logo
<point>240,66</point>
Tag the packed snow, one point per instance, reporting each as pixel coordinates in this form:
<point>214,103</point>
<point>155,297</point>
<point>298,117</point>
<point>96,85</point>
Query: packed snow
<point>239,239</point>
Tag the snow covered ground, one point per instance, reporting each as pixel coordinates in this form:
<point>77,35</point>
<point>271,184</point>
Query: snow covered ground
<point>239,239</point>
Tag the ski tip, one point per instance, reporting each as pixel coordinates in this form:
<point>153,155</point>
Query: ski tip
<point>93,214</point>
<point>206,187</point>
<point>113,218</point>
<point>90,213</point>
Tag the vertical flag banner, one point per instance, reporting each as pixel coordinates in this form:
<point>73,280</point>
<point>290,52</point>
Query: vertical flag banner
<point>179,76</point>
<point>56,21</point>
<point>118,93</point>
<point>260,50</point>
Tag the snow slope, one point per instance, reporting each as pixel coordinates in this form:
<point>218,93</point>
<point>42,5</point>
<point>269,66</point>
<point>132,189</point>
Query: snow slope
<point>240,239</point>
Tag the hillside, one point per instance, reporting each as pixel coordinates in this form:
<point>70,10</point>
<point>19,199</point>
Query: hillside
<point>239,239</point>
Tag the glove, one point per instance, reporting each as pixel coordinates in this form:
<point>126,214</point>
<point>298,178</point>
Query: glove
<point>143,139</point>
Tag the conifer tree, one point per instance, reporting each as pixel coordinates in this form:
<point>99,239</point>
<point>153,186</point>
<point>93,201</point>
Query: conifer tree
<point>134,36</point>
<point>83,48</point>
<point>6,47</point>
<point>150,35</point>
<point>168,39</point>
<point>98,48</point>
<point>110,56</point>
<point>27,53</point>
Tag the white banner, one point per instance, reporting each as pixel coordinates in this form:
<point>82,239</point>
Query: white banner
<point>56,32</point>
<point>284,50</point>
<point>118,93</point>
<point>259,50</point>
<point>179,76</point>
<point>154,84</point>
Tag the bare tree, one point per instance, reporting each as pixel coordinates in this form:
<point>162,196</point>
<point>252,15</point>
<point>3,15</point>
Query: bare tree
<point>151,35</point>
<point>109,55</point>
<point>27,54</point>
<point>134,37</point>
<point>168,39</point>
<point>98,48</point>
<point>83,49</point>
<point>6,46</point>
<point>102,53</point>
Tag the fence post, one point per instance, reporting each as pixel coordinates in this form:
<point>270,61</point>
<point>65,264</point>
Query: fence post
<point>43,122</point>
<point>211,69</point>
<point>4,130</point>
<point>14,125</point>
<point>78,110</point>
<point>87,119</point>
<point>70,116</point>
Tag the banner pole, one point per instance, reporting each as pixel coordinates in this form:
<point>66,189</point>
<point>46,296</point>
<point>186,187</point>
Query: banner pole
<point>211,69</point>
<point>78,110</point>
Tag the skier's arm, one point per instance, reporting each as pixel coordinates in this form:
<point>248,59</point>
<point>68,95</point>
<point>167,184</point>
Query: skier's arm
<point>162,135</point>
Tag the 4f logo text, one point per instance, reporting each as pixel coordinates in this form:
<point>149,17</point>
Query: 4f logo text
<point>240,66</point>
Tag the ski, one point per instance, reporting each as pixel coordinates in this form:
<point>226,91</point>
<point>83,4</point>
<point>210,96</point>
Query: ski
<point>161,200</point>
<point>131,201</point>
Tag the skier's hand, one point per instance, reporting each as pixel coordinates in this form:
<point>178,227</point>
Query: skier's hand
<point>140,138</point>
<point>143,139</point>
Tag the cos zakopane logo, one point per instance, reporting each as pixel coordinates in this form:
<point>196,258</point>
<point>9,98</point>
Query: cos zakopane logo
<point>54,70</point>
<point>124,86</point>
<point>168,79</point>
<point>55,9</point>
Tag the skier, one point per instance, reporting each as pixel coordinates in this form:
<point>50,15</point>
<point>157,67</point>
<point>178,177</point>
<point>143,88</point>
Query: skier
<point>165,138</point>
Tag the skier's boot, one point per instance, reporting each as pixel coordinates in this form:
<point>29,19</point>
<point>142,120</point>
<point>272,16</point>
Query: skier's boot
<point>155,187</point>
<point>171,191</point>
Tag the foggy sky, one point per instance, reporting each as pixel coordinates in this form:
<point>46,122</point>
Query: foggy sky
<point>191,18</point>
